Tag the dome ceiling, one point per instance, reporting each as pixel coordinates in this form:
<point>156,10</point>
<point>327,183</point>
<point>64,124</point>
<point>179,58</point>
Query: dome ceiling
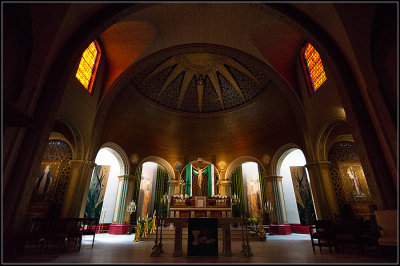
<point>202,81</point>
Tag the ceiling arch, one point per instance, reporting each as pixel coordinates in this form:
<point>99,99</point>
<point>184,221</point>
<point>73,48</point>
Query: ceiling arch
<point>200,78</point>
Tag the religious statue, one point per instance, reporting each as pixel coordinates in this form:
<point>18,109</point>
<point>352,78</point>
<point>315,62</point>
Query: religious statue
<point>199,179</point>
<point>200,175</point>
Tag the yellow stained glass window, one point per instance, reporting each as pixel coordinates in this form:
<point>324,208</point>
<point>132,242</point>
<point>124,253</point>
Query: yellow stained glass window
<point>87,65</point>
<point>315,68</point>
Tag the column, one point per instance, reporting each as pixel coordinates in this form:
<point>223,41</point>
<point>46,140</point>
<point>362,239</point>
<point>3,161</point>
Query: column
<point>226,239</point>
<point>120,224</point>
<point>77,188</point>
<point>175,187</point>
<point>273,185</point>
<point>225,187</point>
<point>178,240</point>
<point>323,190</point>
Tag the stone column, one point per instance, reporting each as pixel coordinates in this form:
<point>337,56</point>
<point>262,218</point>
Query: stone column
<point>77,188</point>
<point>178,240</point>
<point>175,187</point>
<point>121,218</point>
<point>274,192</point>
<point>225,186</point>
<point>323,190</point>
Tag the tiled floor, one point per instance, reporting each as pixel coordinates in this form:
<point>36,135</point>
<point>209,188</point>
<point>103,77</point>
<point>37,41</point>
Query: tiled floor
<point>120,249</point>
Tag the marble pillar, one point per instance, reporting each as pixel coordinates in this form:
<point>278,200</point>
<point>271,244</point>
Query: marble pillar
<point>225,187</point>
<point>274,192</point>
<point>121,218</point>
<point>176,187</point>
<point>77,188</point>
<point>323,190</point>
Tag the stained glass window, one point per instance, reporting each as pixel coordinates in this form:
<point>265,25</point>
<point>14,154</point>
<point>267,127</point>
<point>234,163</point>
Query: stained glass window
<point>315,69</point>
<point>87,66</point>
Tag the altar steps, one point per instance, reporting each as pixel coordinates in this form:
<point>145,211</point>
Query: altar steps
<point>169,233</point>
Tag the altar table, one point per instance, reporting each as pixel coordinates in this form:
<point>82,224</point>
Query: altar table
<point>224,223</point>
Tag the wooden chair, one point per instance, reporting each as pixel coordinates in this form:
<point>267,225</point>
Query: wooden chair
<point>323,232</point>
<point>34,235</point>
<point>89,227</point>
<point>387,225</point>
<point>56,233</point>
<point>74,231</point>
<point>353,231</point>
<point>345,231</point>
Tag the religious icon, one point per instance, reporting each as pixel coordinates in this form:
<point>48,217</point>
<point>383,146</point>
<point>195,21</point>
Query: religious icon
<point>353,179</point>
<point>43,181</point>
<point>200,172</point>
<point>355,182</point>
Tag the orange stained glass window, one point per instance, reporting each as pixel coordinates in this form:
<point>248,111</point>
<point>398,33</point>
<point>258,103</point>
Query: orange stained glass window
<point>87,66</point>
<point>315,68</point>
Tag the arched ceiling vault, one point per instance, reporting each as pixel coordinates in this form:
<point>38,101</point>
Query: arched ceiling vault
<point>194,60</point>
<point>242,26</point>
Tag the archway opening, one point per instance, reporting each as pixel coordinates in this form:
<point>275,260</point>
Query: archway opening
<point>246,185</point>
<point>298,199</point>
<point>153,184</point>
<point>102,192</point>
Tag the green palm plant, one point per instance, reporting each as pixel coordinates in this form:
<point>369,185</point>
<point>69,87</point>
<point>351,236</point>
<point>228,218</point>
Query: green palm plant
<point>306,206</point>
<point>93,204</point>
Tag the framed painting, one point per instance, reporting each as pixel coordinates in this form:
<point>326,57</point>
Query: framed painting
<point>353,180</point>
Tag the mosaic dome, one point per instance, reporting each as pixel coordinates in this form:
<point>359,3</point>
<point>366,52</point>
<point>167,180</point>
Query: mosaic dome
<point>202,82</point>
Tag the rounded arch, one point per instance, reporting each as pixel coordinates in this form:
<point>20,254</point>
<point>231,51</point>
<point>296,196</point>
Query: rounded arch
<point>320,146</point>
<point>279,155</point>
<point>120,154</point>
<point>162,162</point>
<point>59,136</point>
<point>78,149</point>
<point>235,163</point>
<point>344,137</point>
<point>216,171</point>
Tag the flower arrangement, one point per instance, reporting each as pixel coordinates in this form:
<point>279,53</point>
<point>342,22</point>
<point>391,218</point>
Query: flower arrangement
<point>253,220</point>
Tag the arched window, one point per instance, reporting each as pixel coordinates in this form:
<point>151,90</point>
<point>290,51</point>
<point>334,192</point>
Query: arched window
<point>88,66</point>
<point>314,69</point>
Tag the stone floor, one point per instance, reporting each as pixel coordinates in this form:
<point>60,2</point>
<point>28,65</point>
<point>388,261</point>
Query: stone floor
<point>277,249</point>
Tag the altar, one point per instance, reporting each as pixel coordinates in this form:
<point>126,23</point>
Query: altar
<point>200,207</point>
<point>199,195</point>
<point>224,223</point>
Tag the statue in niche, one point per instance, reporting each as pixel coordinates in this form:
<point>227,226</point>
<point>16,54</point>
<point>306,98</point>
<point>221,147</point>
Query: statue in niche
<point>199,179</point>
<point>43,182</point>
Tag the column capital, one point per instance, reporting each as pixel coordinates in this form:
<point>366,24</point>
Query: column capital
<point>225,181</point>
<point>272,177</point>
<point>127,177</point>
<point>318,163</point>
<point>78,163</point>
